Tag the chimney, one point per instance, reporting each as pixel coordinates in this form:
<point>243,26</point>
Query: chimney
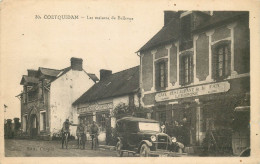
<point>104,74</point>
<point>76,64</point>
<point>169,15</point>
<point>32,72</point>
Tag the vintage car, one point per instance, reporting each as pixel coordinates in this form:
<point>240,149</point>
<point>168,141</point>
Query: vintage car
<point>143,136</point>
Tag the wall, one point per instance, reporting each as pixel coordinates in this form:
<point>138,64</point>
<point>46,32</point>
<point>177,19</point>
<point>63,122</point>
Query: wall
<point>64,91</point>
<point>237,33</point>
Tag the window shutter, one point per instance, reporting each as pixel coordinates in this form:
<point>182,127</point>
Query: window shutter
<point>157,75</point>
<point>229,59</point>
<point>166,74</point>
<point>214,64</point>
<point>192,69</point>
<point>181,71</point>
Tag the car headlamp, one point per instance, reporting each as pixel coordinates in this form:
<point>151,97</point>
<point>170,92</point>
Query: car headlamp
<point>153,138</point>
<point>174,139</point>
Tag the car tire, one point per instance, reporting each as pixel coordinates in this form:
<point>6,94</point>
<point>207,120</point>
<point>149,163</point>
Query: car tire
<point>144,150</point>
<point>119,151</point>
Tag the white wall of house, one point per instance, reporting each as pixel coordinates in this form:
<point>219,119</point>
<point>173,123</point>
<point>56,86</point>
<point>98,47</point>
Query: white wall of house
<point>64,91</point>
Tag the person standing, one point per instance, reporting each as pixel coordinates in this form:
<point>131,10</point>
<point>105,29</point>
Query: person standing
<point>94,130</point>
<point>81,134</point>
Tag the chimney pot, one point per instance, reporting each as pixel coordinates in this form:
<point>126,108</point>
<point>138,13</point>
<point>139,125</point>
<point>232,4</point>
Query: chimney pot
<point>104,74</point>
<point>76,63</point>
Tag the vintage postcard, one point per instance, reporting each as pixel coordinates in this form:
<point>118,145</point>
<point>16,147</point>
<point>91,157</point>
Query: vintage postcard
<point>168,80</point>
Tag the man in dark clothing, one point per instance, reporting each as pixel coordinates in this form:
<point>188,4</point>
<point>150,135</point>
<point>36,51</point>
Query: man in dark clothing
<point>94,130</point>
<point>81,134</point>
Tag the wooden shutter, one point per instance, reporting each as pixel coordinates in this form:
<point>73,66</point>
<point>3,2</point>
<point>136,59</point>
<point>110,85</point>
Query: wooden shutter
<point>157,75</point>
<point>191,71</point>
<point>214,63</point>
<point>181,71</point>
<point>229,59</point>
<point>166,74</point>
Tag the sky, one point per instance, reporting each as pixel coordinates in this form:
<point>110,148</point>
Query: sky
<point>29,43</point>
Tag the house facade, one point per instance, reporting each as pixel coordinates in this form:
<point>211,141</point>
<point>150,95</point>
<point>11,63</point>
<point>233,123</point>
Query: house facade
<point>197,69</point>
<point>98,103</point>
<point>46,100</point>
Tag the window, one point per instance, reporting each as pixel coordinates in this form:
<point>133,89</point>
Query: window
<point>222,62</point>
<point>101,120</point>
<point>43,121</point>
<point>24,123</point>
<point>186,69</point>
<point>161,75</point>
<point>161,116</point>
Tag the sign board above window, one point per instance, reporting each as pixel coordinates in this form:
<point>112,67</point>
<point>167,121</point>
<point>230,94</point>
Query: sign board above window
<point>96,107</point>
<point>193,91</point>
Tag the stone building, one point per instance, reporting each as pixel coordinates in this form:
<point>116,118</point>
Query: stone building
<point>47,97</point>
<point>97,103</point>
<point>196,70</point>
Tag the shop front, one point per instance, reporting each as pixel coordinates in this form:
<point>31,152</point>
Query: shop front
<point>196,113</point>
<point>98,112</point>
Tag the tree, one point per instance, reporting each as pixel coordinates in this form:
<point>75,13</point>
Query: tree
<point>123,110</point>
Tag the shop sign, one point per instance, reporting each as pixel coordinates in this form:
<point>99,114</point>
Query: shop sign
<point>193,91</point>
<point>95,108</point>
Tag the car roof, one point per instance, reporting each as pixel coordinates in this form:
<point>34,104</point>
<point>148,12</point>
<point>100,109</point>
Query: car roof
<point>136,119</point>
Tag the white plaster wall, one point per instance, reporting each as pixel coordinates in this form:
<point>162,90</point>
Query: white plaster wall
<point>64,91</point>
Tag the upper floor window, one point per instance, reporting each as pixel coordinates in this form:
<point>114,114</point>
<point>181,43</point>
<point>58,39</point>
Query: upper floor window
<point>186,69</point>
<point>161,74</point>
<point>221,61</point>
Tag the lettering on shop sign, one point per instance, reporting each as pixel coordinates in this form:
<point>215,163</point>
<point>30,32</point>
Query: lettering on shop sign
<point>193,91</point>
<point>96,107</point>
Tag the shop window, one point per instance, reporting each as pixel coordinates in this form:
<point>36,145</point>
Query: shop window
<point>89,119</point>
<point>43,121</point>
<point>161,74</point>
<point>161,116</point>
<point>186,69</point>
<point>221,60</point>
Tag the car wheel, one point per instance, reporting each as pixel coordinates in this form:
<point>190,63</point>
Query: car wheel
<point>144,150</point>
<point>119,151</point>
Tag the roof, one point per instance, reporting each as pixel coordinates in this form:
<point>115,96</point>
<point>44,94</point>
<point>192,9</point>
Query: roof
<point>168,33</point>
<point>171,31</point>
<point>219,17</point>
<point>28,79</point>
<point>117,84</point>
<point>49,72</point>
<point>136,119</point>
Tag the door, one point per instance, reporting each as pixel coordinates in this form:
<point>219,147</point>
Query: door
<point>34,126</point>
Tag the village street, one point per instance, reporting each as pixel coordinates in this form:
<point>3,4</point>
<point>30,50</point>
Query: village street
<point>39,148</point>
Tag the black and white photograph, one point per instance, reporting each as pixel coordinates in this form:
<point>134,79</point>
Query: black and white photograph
<point>129,79</point>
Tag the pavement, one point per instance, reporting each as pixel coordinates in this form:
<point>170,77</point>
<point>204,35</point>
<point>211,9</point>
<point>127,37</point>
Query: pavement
<point>39,148</point>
